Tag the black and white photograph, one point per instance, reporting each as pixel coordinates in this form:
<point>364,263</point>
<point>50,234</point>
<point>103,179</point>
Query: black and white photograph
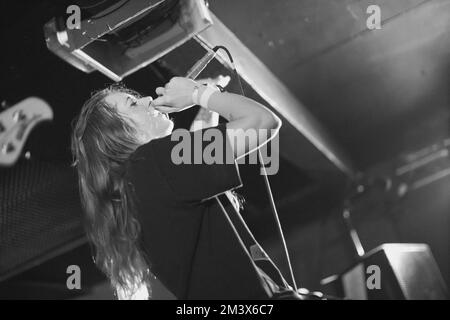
<point>225,155</point>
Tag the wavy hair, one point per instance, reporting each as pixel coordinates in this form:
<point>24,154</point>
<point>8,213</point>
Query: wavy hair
<point>102,142</point>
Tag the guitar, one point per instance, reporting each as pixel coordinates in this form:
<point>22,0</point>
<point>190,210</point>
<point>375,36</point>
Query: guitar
<point>16,123</point>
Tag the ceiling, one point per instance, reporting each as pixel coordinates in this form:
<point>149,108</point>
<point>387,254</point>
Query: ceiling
<point>378,93</point>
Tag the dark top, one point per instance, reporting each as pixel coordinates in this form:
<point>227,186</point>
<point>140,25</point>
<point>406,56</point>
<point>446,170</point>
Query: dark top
<point>187,240</point>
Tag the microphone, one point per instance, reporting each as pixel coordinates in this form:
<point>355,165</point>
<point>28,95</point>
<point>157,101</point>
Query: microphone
<point>201,64</point>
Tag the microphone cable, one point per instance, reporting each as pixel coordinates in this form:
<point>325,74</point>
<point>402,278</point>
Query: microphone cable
<point>266,179</point>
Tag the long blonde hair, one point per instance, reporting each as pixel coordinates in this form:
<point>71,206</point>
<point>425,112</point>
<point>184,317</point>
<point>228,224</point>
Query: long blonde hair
<point>101,145</point>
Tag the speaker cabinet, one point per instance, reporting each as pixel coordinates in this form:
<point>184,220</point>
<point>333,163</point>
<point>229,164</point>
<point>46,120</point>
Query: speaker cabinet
<point>394,271</point>
<point>40,215</point>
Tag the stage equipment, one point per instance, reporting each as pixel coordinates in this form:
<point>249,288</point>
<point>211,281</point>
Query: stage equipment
<point>127,35</point>
<point>406,272</point>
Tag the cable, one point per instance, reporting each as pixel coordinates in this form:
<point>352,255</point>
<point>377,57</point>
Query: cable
<point>109,12</point>
<point>266,179</point>
<point>242,244</point>
<point>94,5</point>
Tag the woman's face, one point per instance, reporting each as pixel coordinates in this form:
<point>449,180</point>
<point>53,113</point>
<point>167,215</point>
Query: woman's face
<point>149,123</point>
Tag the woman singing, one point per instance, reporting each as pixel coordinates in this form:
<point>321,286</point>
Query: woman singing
<point>144,213</point>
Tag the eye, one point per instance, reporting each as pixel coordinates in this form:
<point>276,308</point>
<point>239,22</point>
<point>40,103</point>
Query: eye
<point>133,103</point>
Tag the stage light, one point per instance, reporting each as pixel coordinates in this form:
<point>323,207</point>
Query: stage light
<point>126,36</point>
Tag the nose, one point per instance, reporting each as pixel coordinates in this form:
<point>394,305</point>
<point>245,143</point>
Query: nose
<point>145,101</point>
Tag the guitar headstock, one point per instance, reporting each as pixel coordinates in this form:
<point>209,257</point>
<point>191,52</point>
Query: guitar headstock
<point>16,124</point>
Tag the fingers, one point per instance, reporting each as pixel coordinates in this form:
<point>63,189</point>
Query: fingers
<point>171,82</point>
<point>165,109</point>
<point>177,93</point>
<point>223,81</point>
<point>160,101</point>
<point>161,104</point>
<point>160,91</point>
<point>174,79</point>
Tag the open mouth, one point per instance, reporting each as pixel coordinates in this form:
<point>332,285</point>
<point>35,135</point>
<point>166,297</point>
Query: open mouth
<point>151,112</point>
<point>154,112</point>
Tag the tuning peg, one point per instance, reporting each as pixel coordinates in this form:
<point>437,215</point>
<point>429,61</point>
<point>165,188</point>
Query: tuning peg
<point>7,148</point>
<point>19,115</point>
<point>4,104</point>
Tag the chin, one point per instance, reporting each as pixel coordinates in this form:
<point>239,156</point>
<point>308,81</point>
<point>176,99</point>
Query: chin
<point>170,127</point>
<point>166,128</point>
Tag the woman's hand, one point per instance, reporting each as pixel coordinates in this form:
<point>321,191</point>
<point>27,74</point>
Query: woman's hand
<point>175,96</point>
<point>242,113</point>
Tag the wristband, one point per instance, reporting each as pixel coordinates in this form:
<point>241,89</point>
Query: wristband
<point>195,96</point>
<point>206,94</point>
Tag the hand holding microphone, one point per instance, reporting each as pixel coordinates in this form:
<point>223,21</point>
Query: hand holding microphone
<point>181,93</point>
<point>176,95</point>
